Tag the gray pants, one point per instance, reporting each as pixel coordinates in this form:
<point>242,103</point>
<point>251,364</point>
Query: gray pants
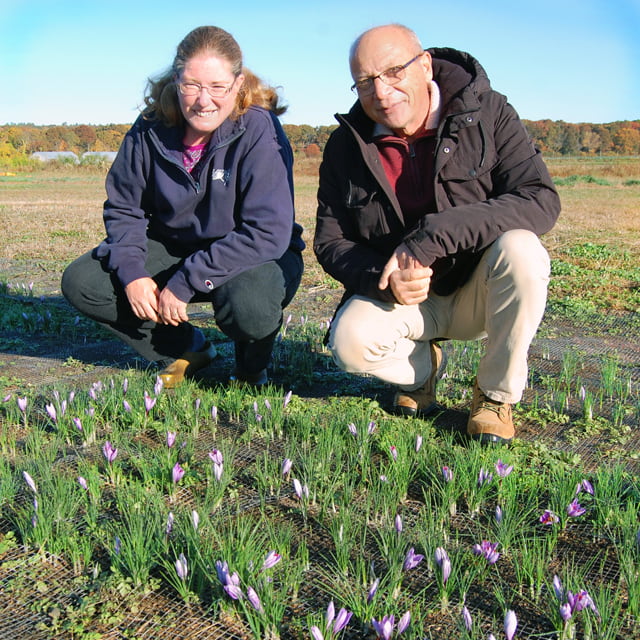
<point>504,301</point>
<point>247,308</point>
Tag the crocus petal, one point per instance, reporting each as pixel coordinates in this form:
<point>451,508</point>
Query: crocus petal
<point>233,591</point>
<point>404,622</point>
<point>342,620</point>
<point>30,482</point>
<point>272,559</point>
<point>316,634</point>
<point>510,624</point>
<point>177,473</point>
<point>466,618</point>
<point>254,599</point>
<point>286,466</point>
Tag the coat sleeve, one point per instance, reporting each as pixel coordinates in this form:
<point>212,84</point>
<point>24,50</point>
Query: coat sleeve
<point>517,192</point>
<point>337,242</point>
<point>125,246</point>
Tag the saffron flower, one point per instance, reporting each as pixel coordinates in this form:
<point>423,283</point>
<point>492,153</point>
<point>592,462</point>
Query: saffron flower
<point>51,411</point>
<point>447,474</point>
<point>484,477</point>
<point>176,473</point>
<point>586,486</point>
<point>22,404</point>
<point>149,402</point>
<point>466,618</point>
<point>404,622</point>
<point>352,429</point>
<point>195,518</point>
<point>287,399</point>
<point>233,591</point>
<point>181,567</point>
<point>443,561</point>
<point>499,514</point>
<point>30,482</point>
<point>418,443</point>
<point>502,469</point>
<point>487,550</point>
<point>216,456</point>
<point>171,438</point>
<point>574,509</point>
<point>214,412</point>
<point>549,518</point>
<point>580,601</point>
<point>286,466</point>
<point>302,491</point>
<point>157,387</point>
<point>372,590</point>
<point>384,628</point>
<point>412,560</point>
<point>510,624</point>
<point>83,483</point>
<point>78,423</point>
<point>371,427</point>
<point>109,451</point>
<point>254,599</point>
<point>169,527</point>
<point>272,559</point>
<point>126,406</point>
<point>394,453</point>
<point>398,523</point>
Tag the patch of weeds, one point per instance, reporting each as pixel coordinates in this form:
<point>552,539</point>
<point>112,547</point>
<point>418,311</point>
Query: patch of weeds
<point>584,179</point>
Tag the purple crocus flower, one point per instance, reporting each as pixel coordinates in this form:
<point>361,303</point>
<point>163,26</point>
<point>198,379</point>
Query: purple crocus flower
<point>254,599</point>
<point>287,398</point>
<point>22,404</point>
<point>51,411</point>
<point>565,611</point>
<point>586,486</point>
<point>297,487</point>
<point>352,429</point>
<point>157,387</point>
<point>372,590</point>
<point>216,456</point>
<point>412,560</point>
<point>181,567</point>
<point>195,518</point>
<point>487,550</point>
<point>272,559</point>
<point>484,477</point>
<point>557,587</point>
<point>447,474</point>
<point>109,451</point>
<point>394,452</point>
<point>126,406</point>
<point>398,523</point>
<point>176,473</point>
<point>169,527</point>
<point>549,518</point>
<point>214,413</point>
<point>117,545</point>
<point>384,628</point>
<point>502,469</point>
<point>316,634</point>
<point>466,618</point>
<point>233,591</point>
<point>342,620</point>
<point>443,561</point>
<point>404,622</point>
<point>78,423</point>
<point>418,443</point>
<point>510,624</point>
<point>149,402</point>
<point>222,571</point>
<point>217,471</point>
<point>498,514</point>
<point>371,427</point>
<point>30,482</point>
<point>286,466</point>
<point>125,386</point>
<point>574,509</point>
<point>83,483</point>
<point>171,438</point>
<point>580,601</point>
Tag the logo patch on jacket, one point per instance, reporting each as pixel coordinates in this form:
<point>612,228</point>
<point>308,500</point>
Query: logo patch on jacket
<point>220,174</point>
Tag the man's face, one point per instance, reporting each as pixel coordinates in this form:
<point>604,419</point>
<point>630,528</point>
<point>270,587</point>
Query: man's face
<point>402,107</point>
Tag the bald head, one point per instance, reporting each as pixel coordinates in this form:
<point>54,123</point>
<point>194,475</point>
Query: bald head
<point>385,33</point>
<point>392,75</point>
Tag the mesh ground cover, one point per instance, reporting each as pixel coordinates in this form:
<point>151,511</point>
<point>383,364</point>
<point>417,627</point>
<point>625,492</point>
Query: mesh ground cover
<point>35,589</point>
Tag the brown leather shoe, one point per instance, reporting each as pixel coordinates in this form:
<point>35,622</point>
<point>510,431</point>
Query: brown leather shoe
<point>422,401</point>
<point>490,422</point>
<point>258,379</point>
<point>188,363</point>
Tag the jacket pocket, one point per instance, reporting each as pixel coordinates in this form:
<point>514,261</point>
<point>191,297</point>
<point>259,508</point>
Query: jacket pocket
<point>467,184</point>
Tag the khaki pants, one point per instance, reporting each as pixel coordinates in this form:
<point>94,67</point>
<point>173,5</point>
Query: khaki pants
<point>504,301</point>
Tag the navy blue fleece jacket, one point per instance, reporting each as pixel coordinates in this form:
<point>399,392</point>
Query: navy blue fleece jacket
<point>234,213</point>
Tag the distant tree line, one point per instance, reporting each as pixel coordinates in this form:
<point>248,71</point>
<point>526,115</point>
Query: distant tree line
<point>554,137</point>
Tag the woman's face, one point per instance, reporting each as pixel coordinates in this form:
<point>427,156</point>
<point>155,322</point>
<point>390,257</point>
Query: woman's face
<point>202,75</point>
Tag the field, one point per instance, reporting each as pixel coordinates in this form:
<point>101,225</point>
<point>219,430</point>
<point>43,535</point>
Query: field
<point>374,509</point>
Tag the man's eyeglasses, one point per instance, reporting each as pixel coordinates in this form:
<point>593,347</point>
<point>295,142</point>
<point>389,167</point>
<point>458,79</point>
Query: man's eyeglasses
<point>391,76</point>
<point>195,89</point>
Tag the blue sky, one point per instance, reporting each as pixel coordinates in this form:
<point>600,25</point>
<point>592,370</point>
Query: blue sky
<point>86,61</point>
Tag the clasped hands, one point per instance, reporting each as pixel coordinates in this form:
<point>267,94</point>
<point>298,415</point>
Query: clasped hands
<point>407,277</point>
<point>148,302</point>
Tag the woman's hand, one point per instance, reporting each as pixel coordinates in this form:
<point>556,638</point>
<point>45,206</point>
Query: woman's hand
<point>171,310</point>
<point>143,298</point>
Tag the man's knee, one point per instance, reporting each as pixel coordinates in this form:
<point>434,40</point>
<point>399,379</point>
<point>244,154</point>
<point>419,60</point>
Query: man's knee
<point>520,253</point>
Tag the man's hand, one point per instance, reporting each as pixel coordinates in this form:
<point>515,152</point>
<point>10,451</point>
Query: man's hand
<point>143,298</point>
<point>171,309</point>
<point>408,278</point>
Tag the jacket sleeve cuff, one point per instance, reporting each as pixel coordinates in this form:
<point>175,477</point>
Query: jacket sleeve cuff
<point>130,272</point>
<point>180,287</point>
